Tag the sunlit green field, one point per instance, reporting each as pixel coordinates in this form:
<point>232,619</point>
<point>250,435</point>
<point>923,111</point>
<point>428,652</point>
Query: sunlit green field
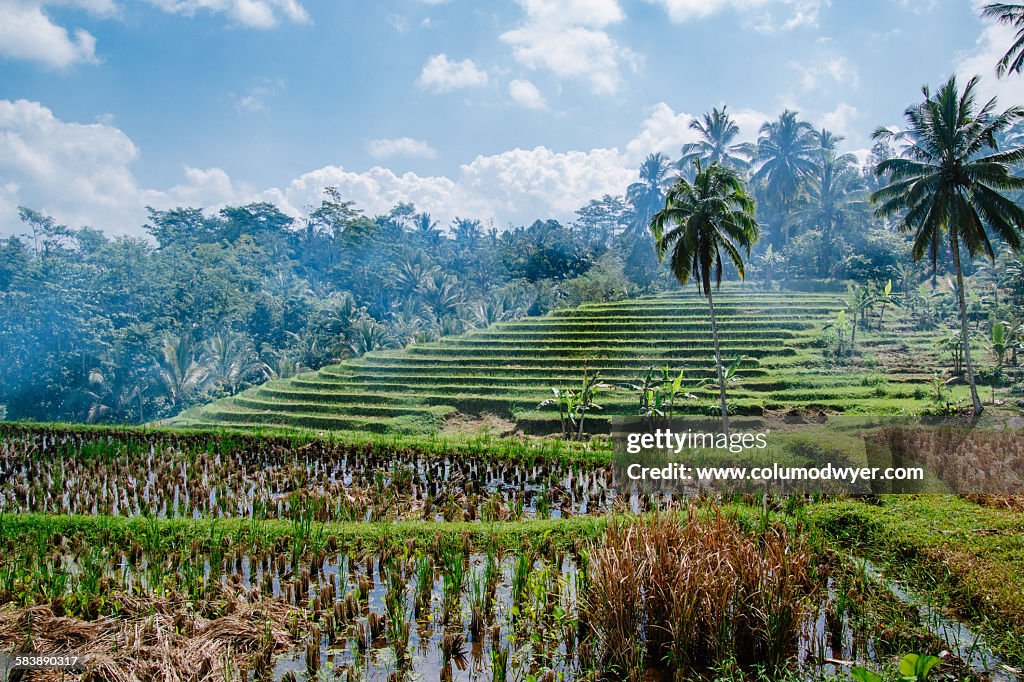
<point>509,369</point>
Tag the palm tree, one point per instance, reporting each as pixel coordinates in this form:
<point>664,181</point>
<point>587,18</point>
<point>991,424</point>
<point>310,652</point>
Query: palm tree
<point>948,183</point>
<point>412,272</point>
<point>1012,14</point>
<point>425,229</point>
<point>647,196</point>
<point>232,361</point>
<point>716,145</point>
<point>835,190</point>
<point>367,335</point>
<point>442,294</point>
<point>786,150</point>
<point>180,374</point>
<point>467,234</point>
<point>702,220</point>
<point>112,394</point>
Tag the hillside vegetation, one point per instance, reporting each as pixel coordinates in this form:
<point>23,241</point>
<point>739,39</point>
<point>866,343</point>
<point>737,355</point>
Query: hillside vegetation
<point>508,369</point>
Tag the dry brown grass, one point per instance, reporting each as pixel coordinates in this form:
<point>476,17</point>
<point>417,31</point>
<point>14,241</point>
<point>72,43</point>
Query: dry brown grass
<point>155,638</point>
<point>690,593</point>
<point>981,462</point>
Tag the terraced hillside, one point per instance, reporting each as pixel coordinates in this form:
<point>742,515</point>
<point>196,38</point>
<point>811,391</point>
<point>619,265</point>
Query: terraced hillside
<point>509,368</point>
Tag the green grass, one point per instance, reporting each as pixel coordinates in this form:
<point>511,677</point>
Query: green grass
<point>228,437</point>
<point>509,368</point>
<point>963,557</point>
<point>121,532</point>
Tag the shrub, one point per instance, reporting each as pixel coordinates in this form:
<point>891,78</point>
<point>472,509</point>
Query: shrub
<point>605,281</point>
<point>696,592</point>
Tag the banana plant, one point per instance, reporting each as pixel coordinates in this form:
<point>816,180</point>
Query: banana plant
<point>858,301</point>
<point>566,403</point>
<point>842,325</point>
<point>587,398</point>
<point>953,345</point>
<point>906,273</point>
<point>999,343</point>
<point>658,395</point>
<point>886,298</point>
<point>730,376</point>
<point>573,406</point>
<point>929,300</point>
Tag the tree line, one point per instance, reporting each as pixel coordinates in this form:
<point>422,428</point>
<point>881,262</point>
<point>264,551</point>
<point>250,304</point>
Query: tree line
<point>132,329</point>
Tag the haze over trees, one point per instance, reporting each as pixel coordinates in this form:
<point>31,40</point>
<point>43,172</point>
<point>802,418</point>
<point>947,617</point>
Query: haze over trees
<point>127,329</point>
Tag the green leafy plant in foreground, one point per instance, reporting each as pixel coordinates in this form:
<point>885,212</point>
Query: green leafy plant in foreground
<point>913,668</point>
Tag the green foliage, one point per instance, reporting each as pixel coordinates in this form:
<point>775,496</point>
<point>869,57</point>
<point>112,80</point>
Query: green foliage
<point>605,281</point>
<point>658,395</point>
<point>861,674</point>
<point>573,406</point>
<point>950,183</point>
<point>125,330</point>
<point>913,668</point>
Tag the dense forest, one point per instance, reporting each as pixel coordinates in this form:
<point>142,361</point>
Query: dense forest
<point>131,329</point>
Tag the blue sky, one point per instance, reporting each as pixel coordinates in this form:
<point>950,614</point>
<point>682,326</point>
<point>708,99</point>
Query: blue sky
<point>506,111</point>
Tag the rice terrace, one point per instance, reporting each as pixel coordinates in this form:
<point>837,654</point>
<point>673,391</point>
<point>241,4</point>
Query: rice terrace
<point>753,411</point>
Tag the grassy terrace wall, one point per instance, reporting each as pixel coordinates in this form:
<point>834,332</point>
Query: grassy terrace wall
<point>509,368</point>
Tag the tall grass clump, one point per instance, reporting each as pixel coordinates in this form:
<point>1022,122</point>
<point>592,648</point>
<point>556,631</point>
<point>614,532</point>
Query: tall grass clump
<point>686,593</point>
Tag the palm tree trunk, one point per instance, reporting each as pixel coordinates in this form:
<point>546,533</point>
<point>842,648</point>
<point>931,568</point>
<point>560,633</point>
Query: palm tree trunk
<point>718,365</point>
<point>964,336</point>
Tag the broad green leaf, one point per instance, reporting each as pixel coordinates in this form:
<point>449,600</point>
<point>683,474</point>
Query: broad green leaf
<point>864,675</point>
<point>917,666</point>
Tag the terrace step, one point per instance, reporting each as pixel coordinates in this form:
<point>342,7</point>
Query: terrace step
<point>511,367</point>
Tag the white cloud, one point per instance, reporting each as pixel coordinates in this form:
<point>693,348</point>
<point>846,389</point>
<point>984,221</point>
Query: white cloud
<point>398,22</point>
<point>567,38</point>
<point>255,99</point>
<point>525,94</point>
<point>666,131</point>
<point>836,70</point>
<point>839,120</point>
<point>385,148</point>
<point>441,74</point>
<point>514,187</point>
<point>862,154</point>
<point>981,61</point>
<point>685,10</point>
<point>763,15</point>
<point>206,187</point>
<point>250,13</point>
<point>594,13</point>
<point>82,175</point>
<point>28,32</point>
<point>70,169</point>
<point>803,13</point>
<point>521,185</point>
<point>750,122</point>
<point>663,131</point>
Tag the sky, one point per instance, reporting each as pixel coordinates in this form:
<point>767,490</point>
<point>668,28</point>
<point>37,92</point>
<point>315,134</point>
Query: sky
<point>504,110</point>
